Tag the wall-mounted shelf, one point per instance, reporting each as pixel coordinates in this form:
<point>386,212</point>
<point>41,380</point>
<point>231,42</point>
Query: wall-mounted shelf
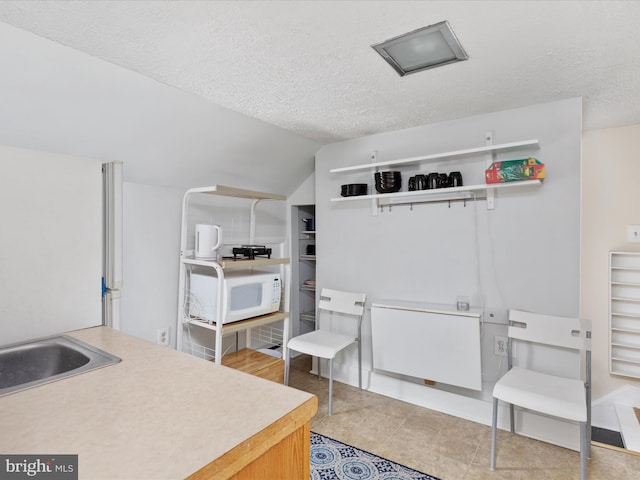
<point>503,147</point>
<point>439,194</point>
<point>486,191</point>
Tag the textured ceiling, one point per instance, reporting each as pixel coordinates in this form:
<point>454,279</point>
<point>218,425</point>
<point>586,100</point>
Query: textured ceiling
<point>308,66</point>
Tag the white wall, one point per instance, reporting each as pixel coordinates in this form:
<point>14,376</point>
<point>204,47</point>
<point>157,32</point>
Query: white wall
<point>300,204</point>
<point>610,200</point>
<point>522,255</point>
<point>60,100</point>
<point>151,252</point>
<point>50,245</point>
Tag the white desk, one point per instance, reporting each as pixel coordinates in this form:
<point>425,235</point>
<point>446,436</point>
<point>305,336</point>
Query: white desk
<point>429,341</point>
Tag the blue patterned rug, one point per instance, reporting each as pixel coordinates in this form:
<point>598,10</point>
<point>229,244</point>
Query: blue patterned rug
<point>334,460</point>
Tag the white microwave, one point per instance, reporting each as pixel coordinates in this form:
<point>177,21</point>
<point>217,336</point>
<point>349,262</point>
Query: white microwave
<point>244,295</point>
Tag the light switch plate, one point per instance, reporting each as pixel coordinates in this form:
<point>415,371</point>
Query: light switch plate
<point>633,233</point>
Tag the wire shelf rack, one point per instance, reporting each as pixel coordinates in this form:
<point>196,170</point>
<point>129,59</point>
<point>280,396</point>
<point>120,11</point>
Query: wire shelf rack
<point>197,350</point>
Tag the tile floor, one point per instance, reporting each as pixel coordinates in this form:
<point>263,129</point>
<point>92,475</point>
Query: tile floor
<point>442,445</point>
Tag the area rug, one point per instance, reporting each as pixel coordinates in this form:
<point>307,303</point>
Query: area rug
<point>334,460</point>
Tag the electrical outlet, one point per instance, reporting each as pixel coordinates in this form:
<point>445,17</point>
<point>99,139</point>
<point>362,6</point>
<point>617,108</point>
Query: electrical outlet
<point>500,346</point>
<point>163,336</point>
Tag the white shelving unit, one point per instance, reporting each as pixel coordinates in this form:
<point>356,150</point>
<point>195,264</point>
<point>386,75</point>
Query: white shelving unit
<point>306,268</point>
<point>187,262</point>
<point>489,150</point>
<point>624,314</point>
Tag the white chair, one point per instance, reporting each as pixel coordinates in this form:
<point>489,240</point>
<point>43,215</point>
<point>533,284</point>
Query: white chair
<point>562,397</point>
<point>324,343</point>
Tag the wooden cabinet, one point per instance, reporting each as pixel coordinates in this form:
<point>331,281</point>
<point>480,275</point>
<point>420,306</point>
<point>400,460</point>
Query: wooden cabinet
<point>281,451</point>
<point>624,313</point>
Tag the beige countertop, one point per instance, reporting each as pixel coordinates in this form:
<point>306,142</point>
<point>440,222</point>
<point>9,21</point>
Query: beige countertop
<point>158,414</point>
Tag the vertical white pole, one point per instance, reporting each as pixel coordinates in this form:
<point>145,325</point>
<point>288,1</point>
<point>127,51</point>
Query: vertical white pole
<point>252,223</point>
<point>112,242</point>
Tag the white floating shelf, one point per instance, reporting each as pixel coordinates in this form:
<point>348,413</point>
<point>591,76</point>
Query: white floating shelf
<point>439,194</point>
<point>502,147</point>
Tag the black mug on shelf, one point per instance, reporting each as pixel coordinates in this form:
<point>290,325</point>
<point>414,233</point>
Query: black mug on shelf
<point>432,180</point>
<point>421,182</point>
<point>455,179</point>
<point>442,180</point>
<point>418,182</point>
<point>310,224</point>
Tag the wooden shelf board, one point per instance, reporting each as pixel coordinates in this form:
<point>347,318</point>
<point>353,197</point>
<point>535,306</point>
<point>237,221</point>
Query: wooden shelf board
<point>236,193</point>
<point>242,324</point>
<point>231,264</point>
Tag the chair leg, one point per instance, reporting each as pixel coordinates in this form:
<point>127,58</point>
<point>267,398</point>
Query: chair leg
<point>330,385</point>
<point>494,428</point>
<point>359,365</point>
<point>583,450</point>
<point>512,419</point>
<point>588,432</point>
<point>286,367</point>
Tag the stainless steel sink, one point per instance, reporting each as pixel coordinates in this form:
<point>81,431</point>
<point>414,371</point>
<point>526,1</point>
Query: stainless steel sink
<point>45,360</point>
